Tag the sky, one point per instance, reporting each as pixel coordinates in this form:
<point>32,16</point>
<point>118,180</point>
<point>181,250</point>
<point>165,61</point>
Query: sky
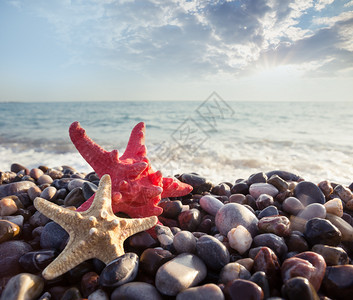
<point>245,50</point>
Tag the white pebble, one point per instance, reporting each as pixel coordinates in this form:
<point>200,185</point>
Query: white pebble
<point>239,239</point>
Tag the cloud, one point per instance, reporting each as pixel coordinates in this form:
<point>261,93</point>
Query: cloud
<point>198,38</point>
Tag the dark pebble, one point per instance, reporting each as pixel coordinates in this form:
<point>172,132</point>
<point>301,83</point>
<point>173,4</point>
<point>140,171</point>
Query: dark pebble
<point>72,293</point>
<point>299,288</point>
<point>151,259</point>
<point>8,230</point>
<point>212,252</point>
<point>240,188</point>
<point>332,255</point>
<point>241,289</point>
<point>37,261</point>
<point>257,178</point>
<point>142,240</point>
<point>136,291</point>
<point>207,291</point>
<point>260,278</point>
<point>278,183</point>
<point>264,201</point>
<point>267,261</point>
<point>88,189</point>
<point>89,283</point>
<point>53,237</point>
<point>279,225</point>
<point>287,176</point>
<point>200,184</point>
<point>296,242</point>
<point>74,197</point>
<point>15,188</point>
<point>275,242</point>
<point>171,209</point>
<point>268,211</point>
<point>308,192</point>
<point>189,219</point>
<point>322,231</point>
<point>120,271</point>
<point>338,282</point>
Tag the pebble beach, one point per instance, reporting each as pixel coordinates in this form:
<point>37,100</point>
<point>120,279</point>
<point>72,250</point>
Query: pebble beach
<point>272,236</point>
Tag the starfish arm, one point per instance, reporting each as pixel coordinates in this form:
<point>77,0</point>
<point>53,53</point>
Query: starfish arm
<point>94,154</point>
<point>74,253</point>
<point>66,218</point>
<point>136,146</point>
<point>137,225</point>
<point>172,187</point>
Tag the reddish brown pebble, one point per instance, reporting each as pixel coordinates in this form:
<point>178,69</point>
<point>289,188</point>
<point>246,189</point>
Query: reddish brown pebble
<point>267,261</point>
<point>89,283</point>
<point>309,265</point>
<point>326,187</point>
<point>278,225</point>
<point>240,289</point>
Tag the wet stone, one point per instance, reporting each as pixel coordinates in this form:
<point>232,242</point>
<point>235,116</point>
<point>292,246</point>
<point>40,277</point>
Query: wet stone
<point>206,291</point>
<point>285,175</point>
<point>232,271</point>
<point>23,286</point>
<point>15,167</point>
<point>99,295</point>
<point>17,219</point>
<point>37,261</point>
<point>296,242</point>
<point>8,230</point>
<point>237,198</point>
<point>11,251</point>
<point>275,242</point>
<point>308,193</point>
<point>120,271</point>
<point>89,283</point>
<point>257,178</point>
<point>164,236</point>
<point>34,192</point>
<point>49,193</point>
<point>61,183</point>
<point>338,282</point>
<point>211,204</point>
<point>213,252</point>
<point>199,183</point>
<point>332,255</point>
<point>279,225</point>
<point>322,231</point>
<point>246,262</point>
<point>239,239</point>
<point>38,219</point>
<point>7,206</point>
<point>292,205</point>
<point>308,264</point>
<point>264,201</point>
<point>334,206</point>
<point>72,293</point>
<point>257,189</point>
<point>299,288</point>
<point>326,187</point>
<point>189,219</point>
<point>240,188</point>
<point>221,189</point>
<point>280,184</point>
<point>151,259</point>
<point>171,209</point>
<point>142,240</point>
<point>75,183</point>
<point>44,179</point>
<point>233,214</point>
<point>268,211</point>
<point>345,228</point>
<point>184,242</point>
<point>267,261</point>
<point>53,237</point>
<point>168,280</point>
<point>74,198</point>
<point>260,279</point>
<point>241,289</point>
<point>314,210</point>
<point>344,193</point>
<point>135,290</point>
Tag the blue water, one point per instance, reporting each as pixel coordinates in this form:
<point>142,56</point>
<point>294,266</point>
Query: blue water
<point>219,139</point>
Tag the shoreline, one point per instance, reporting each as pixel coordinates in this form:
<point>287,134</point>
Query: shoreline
<point>253,252</point>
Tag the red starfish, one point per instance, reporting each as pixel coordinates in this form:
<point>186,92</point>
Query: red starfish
<point>136,188</point>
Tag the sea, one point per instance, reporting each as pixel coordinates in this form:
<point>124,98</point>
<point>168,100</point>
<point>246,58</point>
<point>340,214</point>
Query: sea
<point>218,139</point>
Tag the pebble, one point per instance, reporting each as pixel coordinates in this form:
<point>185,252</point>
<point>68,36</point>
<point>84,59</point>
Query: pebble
<point>222,189</point>
<point>334,206</point>
<point>292,205</point>
<point>322,231</point>
<point>239,239</point>
<point>344,193</point>
<point>15,167</point>
<point>246,262</point>
<point>308,193</point>
<point>15,188</point>
<point>44,179</point>
<point>280,184</point>
<point>307,264</point>
<point>338,282</point>
<point>257,178</point>
<point>268,211</point>
<point>74,198</point>
<point>345,228</point>
<point>200,184</point>
<point>240,188</point>
<point>10,253</point>
<point>257,189</point>
<point>7,206</point>
<point>142,240</point>
<point>8,230</point>
<point>267,261</point>
<point>171,209</point>
<point>241,289</point>
<point>168,280</point>
<point>53,237</point>
<point>314,210</point>
<point>332,255</point>
<point>151,259</point>
<point>275,242</point>
<point>99,295</point>
<point>164,236</point>
<point>89,189</point>
<point>285,175</point>
<point>38,219</point>
<point>72,293</point>
<point>296,242</point>
<point>34,192</point>
<point>237,198</point>
<point>326,187</point>
<point>89,283</point>
<point>211,204</point>
<point>75,183</point>
<point>35,173</point>
<point>120,271</point>
<point>184,242</point>
<point>233,271</point>
<point>206,291</point>
<point>279,225</point>
<point>233,214</point>
<point>264,201</point>
<point>299,288</point>
<point>23,286</point>
<point>189,219</point>
<point>213,252</point>
<point>260,279</point>
<point>17,219</point>
<point>49,193</point>
<point>37,261</point>
<point>136,291</point>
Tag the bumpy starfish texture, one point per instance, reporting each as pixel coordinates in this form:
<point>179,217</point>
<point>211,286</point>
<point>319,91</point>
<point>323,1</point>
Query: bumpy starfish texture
<point>94,233</point>
<point>136,188</point>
